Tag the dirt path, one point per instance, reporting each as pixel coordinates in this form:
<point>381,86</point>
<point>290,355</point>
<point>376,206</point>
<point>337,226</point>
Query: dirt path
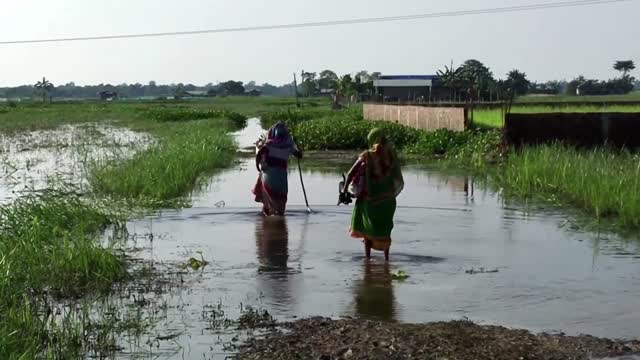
<point>321,338</point>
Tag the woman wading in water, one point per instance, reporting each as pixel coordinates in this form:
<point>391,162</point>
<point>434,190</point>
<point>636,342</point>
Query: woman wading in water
<point>272,161</point>
<point>377,181</point>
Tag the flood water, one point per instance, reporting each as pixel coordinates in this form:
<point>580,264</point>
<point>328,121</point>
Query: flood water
<point>33,161</point>
<point>451,235</point>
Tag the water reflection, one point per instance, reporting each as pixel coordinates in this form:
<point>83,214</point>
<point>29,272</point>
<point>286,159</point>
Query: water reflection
<point>272,251</point>
<point>374,296</point>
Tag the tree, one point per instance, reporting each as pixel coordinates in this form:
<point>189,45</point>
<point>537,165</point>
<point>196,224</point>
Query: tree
<point>517,81</point>
<point>344,89</point>
<point>308,83</point>
<point>451,78</point>
<point>179,91</point>
<point>624,66</point>
<point>327,80</point>
<point>476,78</point>
<point>233,87</point>
<point>364,82</point>
<point>44,87</point>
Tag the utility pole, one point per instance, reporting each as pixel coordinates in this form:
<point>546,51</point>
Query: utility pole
<point>295,86</point>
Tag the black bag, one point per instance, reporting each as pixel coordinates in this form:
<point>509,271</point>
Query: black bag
<point>344,197</point>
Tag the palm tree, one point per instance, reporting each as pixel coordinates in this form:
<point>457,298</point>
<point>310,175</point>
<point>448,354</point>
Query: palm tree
<point>44,87</point>
<point>344,88</point>
<point>624,66</point>
<point>517,81</point>
<point>452,79</point>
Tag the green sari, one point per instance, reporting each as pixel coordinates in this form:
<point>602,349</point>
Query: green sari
<point>372,217</point>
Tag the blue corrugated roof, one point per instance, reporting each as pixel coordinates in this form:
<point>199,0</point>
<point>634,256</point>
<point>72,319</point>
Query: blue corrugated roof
<point>409,77</point>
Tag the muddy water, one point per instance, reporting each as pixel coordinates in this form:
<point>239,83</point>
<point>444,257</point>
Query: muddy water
<point>32,161</point>
<point>467,252</point>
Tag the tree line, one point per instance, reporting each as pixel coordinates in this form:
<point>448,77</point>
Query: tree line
<point>475,81</point>
<point>472,80</point>
<point>46,89</point>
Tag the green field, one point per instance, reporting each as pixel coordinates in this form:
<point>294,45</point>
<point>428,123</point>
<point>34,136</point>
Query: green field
<point>34,116</point>
<point>493,118</point>
<point>633,96</point>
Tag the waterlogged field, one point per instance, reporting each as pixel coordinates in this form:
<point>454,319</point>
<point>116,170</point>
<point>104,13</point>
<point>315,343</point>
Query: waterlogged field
<point>63,186</point>
<point>128,231</point>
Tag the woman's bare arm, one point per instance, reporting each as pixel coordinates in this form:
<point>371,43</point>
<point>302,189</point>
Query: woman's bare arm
<point>259,156</point>
<point>352,173</point>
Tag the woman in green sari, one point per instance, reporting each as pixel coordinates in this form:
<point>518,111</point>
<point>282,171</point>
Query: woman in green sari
<point>376,181</point>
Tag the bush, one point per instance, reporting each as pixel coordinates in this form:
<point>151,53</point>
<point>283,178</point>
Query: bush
<point>340,132</point>
<point>344,133</point>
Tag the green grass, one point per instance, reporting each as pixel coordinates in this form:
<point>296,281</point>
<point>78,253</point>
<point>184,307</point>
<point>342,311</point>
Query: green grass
<point>48,249</point>
<point>633,96</point>
<point>163,174</point>
<point>493,118</point>
<point>604,183</point>
<point>36,116</point>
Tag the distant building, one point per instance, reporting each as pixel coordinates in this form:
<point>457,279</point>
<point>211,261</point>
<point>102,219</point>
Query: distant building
<point>327,92</point>
<point>409,88</point>
<point>195,94</point>
<point>253,92</point>
<point>107,95</point>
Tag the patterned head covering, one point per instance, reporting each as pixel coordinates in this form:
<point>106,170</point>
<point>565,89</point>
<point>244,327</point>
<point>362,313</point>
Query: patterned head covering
<point>278,136</point>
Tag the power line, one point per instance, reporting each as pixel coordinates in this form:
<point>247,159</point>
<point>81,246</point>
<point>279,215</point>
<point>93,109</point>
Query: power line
<point>507,9</point>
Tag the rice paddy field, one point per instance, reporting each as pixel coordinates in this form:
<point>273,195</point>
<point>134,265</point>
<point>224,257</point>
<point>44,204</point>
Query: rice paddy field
<point>79,181</point>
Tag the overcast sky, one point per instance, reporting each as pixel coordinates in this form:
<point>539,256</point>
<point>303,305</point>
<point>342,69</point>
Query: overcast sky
<point>546,44</point>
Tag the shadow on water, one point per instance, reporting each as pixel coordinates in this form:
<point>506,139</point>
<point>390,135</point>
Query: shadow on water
<point>272,245</point>
<point>374,294</point>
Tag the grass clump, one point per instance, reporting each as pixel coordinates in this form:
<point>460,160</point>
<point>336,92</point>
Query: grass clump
<point>163,174</point>
<point>48,249</point>
<point>604,183</point>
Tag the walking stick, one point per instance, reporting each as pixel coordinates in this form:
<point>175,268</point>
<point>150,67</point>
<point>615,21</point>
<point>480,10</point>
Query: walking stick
<point>303,190</point>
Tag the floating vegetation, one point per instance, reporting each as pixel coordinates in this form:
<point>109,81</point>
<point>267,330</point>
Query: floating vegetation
<point>480,270</point>
<point>399,275</point>
<point>196,264</point>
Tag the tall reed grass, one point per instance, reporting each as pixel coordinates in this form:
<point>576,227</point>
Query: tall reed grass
<point>48,250</point>
<point>603,182</point>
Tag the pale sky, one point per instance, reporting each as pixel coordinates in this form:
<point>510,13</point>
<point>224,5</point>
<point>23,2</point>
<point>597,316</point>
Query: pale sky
<point>546,44</point>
